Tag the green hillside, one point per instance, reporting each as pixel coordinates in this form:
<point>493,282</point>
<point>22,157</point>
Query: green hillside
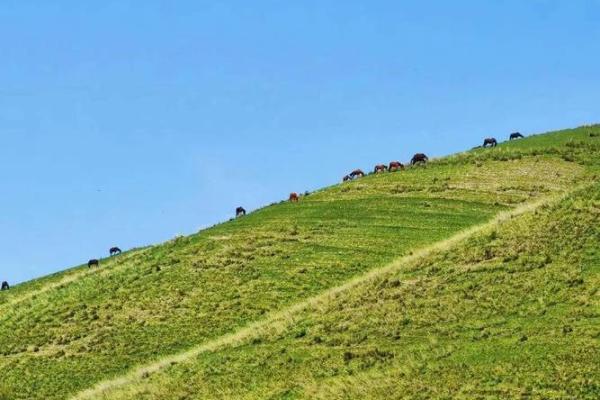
<point>475,275</point>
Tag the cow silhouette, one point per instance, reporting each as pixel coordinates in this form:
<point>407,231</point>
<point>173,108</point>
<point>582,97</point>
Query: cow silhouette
<point>395,166</point>
<point>489,141</point>
<point>380,168</point>
<point>346,178</point>
<point>419,157</point>
<point>357,173</point>
<point>515,135</point>
<point>93,263</point>
<point>240,211</point>
<point>114,251</point>
<point>5,286</point>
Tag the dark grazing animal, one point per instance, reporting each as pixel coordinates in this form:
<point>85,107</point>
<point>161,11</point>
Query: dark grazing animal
<point>489,141</point>
<point>294,197</point>
<point>5,286</point>
<point>114,251</point>
<point>419,157</point>
<point>515,135</point>
<point>346,178</point>
<point>240,211</point>
<point>395,166</point>
<point>380,168</point>
<point>93,263</point>
<point>357,173</point>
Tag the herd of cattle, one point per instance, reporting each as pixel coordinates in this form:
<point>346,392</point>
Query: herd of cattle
<point>357,173</point>
<point>416,159</point>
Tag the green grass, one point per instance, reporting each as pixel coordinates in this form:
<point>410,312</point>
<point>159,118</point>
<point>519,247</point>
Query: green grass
<point>65,333</point>
<point>513,312</point>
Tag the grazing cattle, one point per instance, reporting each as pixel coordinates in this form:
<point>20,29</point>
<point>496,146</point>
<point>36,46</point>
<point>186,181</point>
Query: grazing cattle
<point>93,263</point>
<point>240,211</point>
<point>114,251</point>
<point>419,157</point>
<point>380,168</point>
<point>357,173</point>
<point>489,141</point>
<point>346,178</point>
<point>294,197</point>
<point>5,286</point>
<point>395,166</point>
<point>515,135</point>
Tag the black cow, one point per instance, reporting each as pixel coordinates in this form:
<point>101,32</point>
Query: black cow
<point>419,157</point>
<point>5,286</point>
<point>489,141</point>
<point>93,263</point>
<point>515,135</point>
<point>240,211</point>
<point>114,251</point>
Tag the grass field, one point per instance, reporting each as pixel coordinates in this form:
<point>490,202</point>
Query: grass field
<point>397,335</point>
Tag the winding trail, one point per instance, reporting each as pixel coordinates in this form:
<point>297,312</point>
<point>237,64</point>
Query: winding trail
<point>280,320</point>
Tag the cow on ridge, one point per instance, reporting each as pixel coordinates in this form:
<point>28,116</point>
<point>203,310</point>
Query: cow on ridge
<point>380,168</point>
<point>419,158</point>
<point>515,135</point>
<point>357,173</point>
<point>490,142</point>
<point>395,166</point>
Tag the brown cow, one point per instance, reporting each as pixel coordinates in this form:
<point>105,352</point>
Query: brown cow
<point>419,157</point>
<point>395,165</point>
<point>294,197</point>
<point>357,173</point>
<point>380,168</point>
<point>489,141</point>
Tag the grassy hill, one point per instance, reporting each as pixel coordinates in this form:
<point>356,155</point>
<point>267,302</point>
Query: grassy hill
<point>473,276</point>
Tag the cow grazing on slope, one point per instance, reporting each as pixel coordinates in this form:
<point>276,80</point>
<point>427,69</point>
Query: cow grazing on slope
<point>240,211</point>
<point>395,166</point>
<point>419,158</point>
<point>380,168</point>
<point>357,173</point>
<point>93,263</point>
<point>5,286</point>
<point>489,141</point>
<point>294,197</point>
<point>515,135</point>
<point>114,251</point>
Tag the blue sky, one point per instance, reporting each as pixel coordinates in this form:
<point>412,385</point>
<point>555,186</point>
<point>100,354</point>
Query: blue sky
<point>129,122</point>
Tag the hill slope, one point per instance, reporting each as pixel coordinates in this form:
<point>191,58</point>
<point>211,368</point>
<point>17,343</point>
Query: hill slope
<point>69,332</point>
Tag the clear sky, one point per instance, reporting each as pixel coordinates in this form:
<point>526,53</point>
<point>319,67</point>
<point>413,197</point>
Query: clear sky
<point>129,122</point>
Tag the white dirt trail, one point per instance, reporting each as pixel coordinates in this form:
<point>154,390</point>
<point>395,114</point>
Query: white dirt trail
<point>279,320</point>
